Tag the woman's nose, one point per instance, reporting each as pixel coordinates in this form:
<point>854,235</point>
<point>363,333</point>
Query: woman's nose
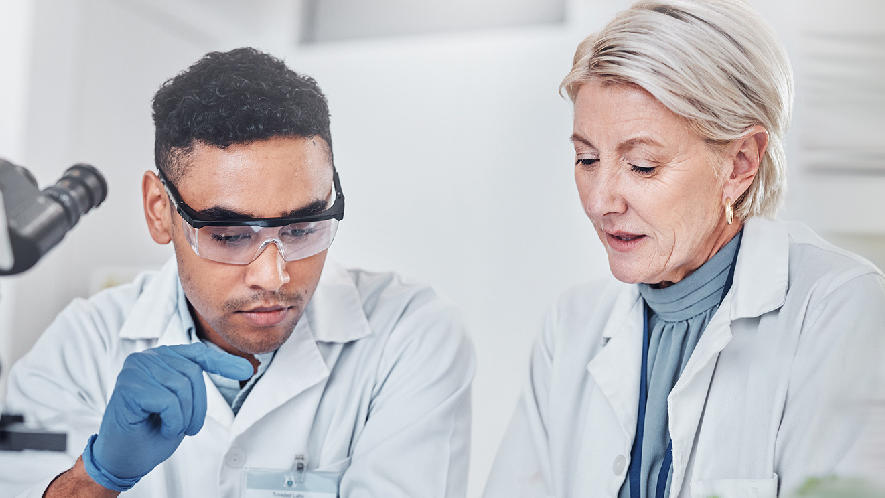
<point>601,192</point>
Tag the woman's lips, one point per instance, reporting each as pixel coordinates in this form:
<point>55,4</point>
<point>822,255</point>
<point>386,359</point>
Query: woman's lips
<point>624,241</point>
<point>266,316</point>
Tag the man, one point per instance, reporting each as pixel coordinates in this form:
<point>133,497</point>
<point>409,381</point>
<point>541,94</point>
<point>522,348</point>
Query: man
<point>250,355</point>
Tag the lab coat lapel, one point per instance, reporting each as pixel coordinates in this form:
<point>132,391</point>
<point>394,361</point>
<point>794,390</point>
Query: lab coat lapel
<point>616,368</point>
<point>296,367</point>
<point>685,404</point>
<point>759,286</point>
<point>216,406</point>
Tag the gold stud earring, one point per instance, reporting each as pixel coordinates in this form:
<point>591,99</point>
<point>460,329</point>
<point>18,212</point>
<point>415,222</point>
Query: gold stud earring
<point>729,211</point>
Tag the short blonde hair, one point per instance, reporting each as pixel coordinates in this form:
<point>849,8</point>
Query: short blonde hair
<point>713,62</point>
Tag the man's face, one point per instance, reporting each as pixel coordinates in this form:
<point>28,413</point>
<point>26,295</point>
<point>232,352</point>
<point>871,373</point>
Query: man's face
<point>251,308</point>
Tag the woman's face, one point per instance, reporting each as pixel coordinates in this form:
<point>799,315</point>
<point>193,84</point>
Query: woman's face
<point>649,184</point>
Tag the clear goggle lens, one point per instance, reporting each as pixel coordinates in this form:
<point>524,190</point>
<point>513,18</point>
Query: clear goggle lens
<point>241,245</point>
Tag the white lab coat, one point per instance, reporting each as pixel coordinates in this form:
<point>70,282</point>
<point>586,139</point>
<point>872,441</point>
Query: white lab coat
<point>374,382</point>
<point>783,383</point>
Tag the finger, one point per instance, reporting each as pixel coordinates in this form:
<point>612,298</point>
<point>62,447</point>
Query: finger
<point>161,368</point>
<point>214,361</point>
<point>194,374</point>
<point>185,378</point>
<point>149,398</point>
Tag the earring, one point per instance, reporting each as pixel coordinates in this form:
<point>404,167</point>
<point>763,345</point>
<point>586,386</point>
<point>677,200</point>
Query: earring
<point>729,211</point>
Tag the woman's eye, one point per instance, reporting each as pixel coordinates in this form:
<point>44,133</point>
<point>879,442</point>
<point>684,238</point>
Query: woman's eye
<point>643,170</point>
<point>586,162</point>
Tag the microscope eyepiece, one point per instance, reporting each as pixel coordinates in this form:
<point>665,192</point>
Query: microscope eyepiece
<point>80,189</point>
<point>37,221</point>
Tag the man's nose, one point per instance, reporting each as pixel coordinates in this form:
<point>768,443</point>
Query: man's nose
<point>268,271</point>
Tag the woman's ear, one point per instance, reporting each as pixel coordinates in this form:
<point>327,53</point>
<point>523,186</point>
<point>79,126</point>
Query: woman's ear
<point>156,208</point>
<point>744,157</point>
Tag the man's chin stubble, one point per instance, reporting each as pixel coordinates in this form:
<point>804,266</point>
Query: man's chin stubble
<point>251,341</point>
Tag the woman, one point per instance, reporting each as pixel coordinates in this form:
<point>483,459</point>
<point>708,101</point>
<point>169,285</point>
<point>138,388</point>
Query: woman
<point>738,355</point>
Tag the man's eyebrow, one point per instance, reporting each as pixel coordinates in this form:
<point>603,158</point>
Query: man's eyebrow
<point>219,213</point>
<point>315,207</point>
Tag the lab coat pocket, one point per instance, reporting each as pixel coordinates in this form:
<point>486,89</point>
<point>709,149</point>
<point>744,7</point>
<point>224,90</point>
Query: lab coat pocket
<point>735,488</point>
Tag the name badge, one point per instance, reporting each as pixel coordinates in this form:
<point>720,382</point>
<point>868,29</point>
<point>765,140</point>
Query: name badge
<point>297,482</point>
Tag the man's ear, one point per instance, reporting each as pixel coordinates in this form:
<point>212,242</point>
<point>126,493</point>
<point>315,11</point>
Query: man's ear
<point>156,208</point>
<point>744,157</point>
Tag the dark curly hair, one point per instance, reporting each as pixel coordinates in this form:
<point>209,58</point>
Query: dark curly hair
<point>234,97</point>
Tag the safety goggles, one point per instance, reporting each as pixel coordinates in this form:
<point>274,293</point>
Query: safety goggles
<point>240,241</point>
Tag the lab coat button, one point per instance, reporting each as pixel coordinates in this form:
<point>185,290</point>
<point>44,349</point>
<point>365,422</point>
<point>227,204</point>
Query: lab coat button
<point>619,464</point>
<point>235,458</point>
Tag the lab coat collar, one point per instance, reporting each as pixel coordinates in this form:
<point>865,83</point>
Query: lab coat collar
<point>761,272</point>
<point>335,311</point>
<point>627,299</point>
<point>155,310</point>
<point>616,367</point>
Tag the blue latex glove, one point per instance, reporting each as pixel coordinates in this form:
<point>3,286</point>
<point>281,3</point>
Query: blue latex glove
<point>159,398</point>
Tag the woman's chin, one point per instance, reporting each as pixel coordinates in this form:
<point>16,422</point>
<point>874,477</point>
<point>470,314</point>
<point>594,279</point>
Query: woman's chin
<point>627,271</point>
<point>624,275</point>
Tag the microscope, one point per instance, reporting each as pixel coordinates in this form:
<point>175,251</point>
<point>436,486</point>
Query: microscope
<point>31,223</point>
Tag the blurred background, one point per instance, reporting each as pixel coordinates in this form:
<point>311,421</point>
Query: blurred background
<point>449,134</point>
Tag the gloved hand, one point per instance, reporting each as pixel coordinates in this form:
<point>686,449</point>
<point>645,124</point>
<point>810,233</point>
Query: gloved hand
<point>159,397</point>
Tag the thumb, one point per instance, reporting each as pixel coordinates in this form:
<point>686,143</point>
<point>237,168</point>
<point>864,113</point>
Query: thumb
<point>215,361</point>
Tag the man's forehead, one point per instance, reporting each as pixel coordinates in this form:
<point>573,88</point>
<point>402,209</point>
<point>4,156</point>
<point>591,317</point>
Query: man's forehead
<point>272,178</point>
<point>285,156</point>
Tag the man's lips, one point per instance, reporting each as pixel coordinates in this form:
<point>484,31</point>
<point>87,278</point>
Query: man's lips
<point>266,316</point>
<point>264,309</point>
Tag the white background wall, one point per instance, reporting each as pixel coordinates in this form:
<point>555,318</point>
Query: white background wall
<point>452,149</point>
<point>15,44</point>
